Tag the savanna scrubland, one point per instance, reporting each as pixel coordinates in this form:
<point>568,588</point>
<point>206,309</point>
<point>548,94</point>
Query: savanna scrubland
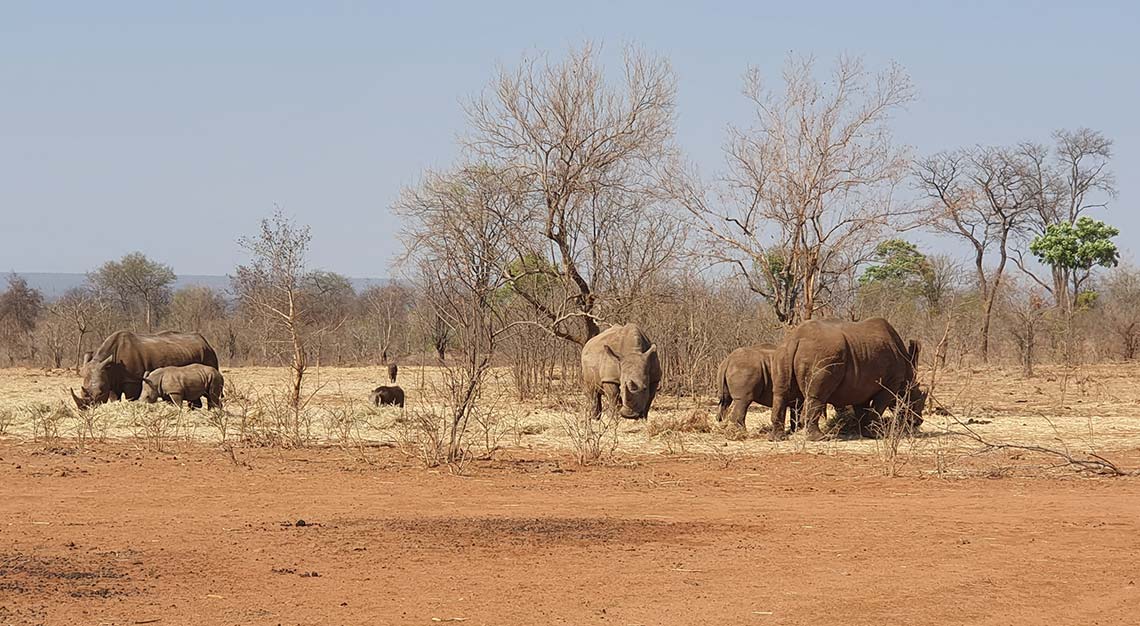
<point>490,498</point>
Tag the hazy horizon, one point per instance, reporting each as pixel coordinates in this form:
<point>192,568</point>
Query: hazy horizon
<point>172,130</point>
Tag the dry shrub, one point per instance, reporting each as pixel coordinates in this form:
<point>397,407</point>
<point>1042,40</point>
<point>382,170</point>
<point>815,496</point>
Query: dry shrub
<point>532,428</point>
<point>47,421</point>
<point>342,424</point>
<point>219,420</point>
<point>696,421</point>
<point>428,433</point>
<point>272,419</point>
<point>497,416</point>
<point>734,432</point>
<point>155,424</point>
<point>593,439</point>
<point>91,424</point>
<point>891,433</point>
<point>7,417</point>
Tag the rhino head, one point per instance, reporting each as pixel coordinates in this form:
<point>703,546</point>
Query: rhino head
<point>913,404</point>
<point>149,389</point>
<point>637,381</point>
<point>98,381</point>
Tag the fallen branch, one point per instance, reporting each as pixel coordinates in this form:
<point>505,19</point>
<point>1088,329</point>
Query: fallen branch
<point>1092,463</point>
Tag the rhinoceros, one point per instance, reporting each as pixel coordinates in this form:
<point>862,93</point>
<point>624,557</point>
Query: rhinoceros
<point>184,382</point>
<point>393,369</point>
<point>744,377</point>
<point>385,394</point>
<point>116,369</point>
<point>863,364</point>
<point>621,363</point>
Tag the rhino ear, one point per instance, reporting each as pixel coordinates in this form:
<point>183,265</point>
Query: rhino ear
<point>87,357</point>
<point>615,355</point>
<point>107,361</point>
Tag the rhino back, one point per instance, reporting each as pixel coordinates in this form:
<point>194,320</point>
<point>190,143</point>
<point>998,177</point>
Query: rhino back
<point>142,353</point>
<point>186,379</point>
<point>870,354</point>
<point>748,371</point>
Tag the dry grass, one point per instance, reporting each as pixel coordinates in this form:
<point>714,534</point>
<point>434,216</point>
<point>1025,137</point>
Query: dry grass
<point>1091,408</point>
<point>695,421</point>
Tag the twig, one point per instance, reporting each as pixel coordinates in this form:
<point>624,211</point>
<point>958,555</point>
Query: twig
<point>1094,463</point>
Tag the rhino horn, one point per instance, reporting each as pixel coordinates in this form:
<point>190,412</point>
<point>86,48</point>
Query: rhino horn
<point>78,402</point>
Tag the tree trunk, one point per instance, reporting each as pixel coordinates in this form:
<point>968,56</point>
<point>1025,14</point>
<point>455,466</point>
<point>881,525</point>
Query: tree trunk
<point>79,351</point>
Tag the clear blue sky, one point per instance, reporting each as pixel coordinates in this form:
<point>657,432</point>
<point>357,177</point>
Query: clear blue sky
<point>172,128</point>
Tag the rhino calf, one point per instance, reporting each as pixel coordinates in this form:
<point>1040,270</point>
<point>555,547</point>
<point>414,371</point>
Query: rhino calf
<point>385,394</point>
<point>744,377</point>
<point>186,382</point>
<point>393,369</point>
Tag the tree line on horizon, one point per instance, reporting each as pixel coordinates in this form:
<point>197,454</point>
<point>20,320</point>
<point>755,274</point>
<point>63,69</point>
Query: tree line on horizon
<point>572,206</point>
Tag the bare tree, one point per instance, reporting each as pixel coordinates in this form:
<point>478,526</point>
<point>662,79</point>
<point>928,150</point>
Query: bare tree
<point>456,234</point>
<point>387,307</point>
<point>584,153</point>
<point>82,308</point>
<point>20,309</point>
<point>1121,307</point>
<point>273,285</point>
<point>194,307</point>
<point>331,299</point>
<point>809,186</point>
<point>1025,313</point>
<point>983,196</point>
<point>141,286</point>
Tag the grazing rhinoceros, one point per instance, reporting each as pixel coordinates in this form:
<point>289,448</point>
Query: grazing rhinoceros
<point>388,395</point>
<point>116,369</point>
<point>393,369</point>
<point>621,363</point>
<point>863,364</point>
<point>184,382</point>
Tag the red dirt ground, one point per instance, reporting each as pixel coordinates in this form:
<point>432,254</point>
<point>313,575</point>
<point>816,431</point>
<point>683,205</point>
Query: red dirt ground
<point>119,536</point>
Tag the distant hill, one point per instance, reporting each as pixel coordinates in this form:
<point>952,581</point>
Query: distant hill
<point>53,285</point>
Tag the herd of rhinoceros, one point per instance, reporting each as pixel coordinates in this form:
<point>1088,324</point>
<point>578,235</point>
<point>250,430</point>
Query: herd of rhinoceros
<point>864,366</point>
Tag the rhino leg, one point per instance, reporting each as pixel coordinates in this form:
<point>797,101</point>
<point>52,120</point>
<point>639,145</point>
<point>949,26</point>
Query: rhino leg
<point>131,390</point>
<point>779,414</point>
<point>594,398</point>
<point>823,379</point>
<point>723,410</point>
<point>739,410</point>
<point>196,403</point>
<point>613,395</point>
<point>214,400</point>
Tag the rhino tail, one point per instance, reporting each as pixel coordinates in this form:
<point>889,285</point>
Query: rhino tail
<point>912,351</point>
<point>724,396</point>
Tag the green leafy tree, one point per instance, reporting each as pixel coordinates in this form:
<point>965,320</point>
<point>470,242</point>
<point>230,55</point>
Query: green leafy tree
<point>1077,248</point>
<point>900,263</point>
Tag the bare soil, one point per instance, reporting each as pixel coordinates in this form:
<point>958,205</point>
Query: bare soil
<point>117,535</point>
